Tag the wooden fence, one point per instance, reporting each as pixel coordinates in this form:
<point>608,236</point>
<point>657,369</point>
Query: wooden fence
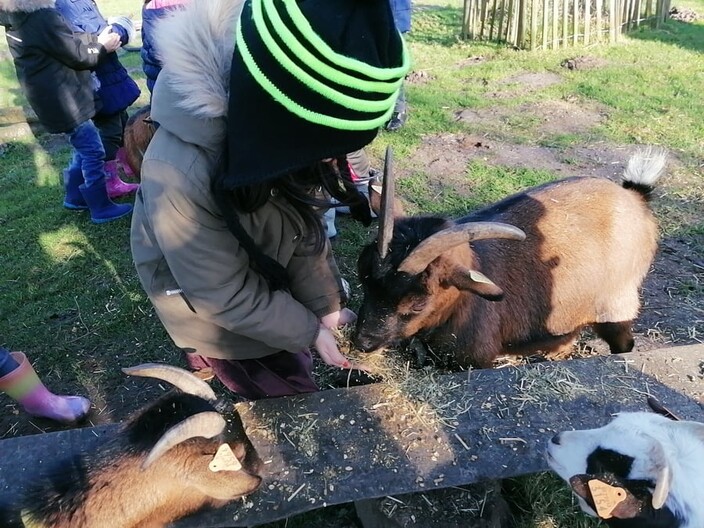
<point>545,24</point>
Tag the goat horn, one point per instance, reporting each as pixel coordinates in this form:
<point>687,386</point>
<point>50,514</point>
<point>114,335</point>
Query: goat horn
<point>433,246</point>
<point>205,424</point>
<point>386,213</point>
<point>178,377</point>
<point>662,487</point>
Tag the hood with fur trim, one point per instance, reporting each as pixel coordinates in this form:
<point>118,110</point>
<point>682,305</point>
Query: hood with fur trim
<point>195,45</point>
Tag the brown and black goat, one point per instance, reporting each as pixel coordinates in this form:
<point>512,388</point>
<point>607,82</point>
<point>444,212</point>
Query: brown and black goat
<point>139,131</point>
<point>173,458</point>
<point>561,256</point>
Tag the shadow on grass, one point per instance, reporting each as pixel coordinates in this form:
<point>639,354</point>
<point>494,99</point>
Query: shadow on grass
<point>70,296</point>
<point>680,34</point>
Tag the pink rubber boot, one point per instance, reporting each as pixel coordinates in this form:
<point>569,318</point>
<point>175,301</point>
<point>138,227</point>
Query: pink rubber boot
<point>115,186</point>
<point>121,158</point>
<point>24,386</point>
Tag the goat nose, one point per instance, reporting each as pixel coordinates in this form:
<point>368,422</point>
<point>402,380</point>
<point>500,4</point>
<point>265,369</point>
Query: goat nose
<point>555,439</point>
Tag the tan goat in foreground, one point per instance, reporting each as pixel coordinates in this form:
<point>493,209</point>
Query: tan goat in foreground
<point>175,457</point>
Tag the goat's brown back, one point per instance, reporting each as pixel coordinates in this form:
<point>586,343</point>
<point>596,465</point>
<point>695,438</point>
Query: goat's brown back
<point>591,242</point>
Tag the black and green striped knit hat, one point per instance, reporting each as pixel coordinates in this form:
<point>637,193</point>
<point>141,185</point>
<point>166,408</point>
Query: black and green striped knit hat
<point>310,79</point>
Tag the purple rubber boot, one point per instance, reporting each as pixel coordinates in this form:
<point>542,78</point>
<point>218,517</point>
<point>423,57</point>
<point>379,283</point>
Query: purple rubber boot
<point>115,186</point>
<point>23,385</point>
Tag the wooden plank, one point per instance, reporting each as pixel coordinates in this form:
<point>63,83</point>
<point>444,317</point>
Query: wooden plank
<point>342,445</point>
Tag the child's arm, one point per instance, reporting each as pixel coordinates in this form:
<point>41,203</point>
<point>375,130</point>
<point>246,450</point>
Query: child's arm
<point>79,51</point>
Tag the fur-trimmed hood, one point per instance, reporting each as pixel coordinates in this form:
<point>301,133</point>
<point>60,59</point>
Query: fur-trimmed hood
<point>25,6</point>
<point>195,45</point>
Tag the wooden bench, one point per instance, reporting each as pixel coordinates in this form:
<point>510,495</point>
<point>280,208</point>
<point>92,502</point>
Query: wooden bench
<point>345,445</point>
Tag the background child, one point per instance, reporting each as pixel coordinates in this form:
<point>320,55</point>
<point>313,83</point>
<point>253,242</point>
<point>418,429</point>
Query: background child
<point>116,89</point>
<point>52,64</point>
<point>152,11</point>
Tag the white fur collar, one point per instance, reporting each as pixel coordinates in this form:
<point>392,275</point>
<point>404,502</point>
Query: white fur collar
<point>196,50</point>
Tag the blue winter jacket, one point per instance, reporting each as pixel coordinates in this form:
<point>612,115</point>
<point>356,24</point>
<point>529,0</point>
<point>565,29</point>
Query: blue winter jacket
<point>402,14</point>
<point>117,89</point>
<point>152,12</point>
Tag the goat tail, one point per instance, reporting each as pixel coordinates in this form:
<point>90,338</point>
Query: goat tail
<point>644,169</point>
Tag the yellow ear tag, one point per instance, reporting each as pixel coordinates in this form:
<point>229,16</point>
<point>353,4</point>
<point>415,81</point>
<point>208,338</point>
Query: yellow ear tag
<point>606,497</point>
<point>224,460</point>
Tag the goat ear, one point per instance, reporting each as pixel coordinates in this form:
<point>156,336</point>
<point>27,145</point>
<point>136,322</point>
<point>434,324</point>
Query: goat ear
<point>661,468</point>
<point>224,460</point>
<point>476,282</point>
<point>662,487</point>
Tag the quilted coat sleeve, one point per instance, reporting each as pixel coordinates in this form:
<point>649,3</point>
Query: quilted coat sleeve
<point>211,268</point>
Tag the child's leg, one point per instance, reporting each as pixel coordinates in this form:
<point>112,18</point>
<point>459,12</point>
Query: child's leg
<point>85,139</point>
<point>282,374</point>
<point>19,381</point>
<point>111,129</point>
<point>73,179</point>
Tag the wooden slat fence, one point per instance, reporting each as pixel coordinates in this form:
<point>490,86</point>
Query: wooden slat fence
<point>552,24</point>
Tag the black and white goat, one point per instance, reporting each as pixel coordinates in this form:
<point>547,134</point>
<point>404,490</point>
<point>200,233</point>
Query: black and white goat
<point>642,470</point>
<point>178,455</point>
<point>557,257</point>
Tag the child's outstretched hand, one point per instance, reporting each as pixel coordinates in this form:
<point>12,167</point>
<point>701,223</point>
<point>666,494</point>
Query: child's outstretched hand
<point>109,40</point>
<point>326,345</point>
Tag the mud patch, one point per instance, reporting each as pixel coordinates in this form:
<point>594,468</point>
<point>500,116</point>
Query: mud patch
<point>548,118</point>
<point>419,77</point>
<point>584,63</point>
<point>523,83</point>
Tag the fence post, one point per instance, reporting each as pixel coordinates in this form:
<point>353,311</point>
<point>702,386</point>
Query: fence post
<point>521,24</point>
<point>545,24</point>
<point>533,24</point>
<point>555,18</point>
<point>599,22</point>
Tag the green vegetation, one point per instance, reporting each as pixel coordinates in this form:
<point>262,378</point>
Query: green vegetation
<point>69,295</point>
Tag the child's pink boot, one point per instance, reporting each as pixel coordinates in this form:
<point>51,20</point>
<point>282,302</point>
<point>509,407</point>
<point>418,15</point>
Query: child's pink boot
<point>115,186</point>
<point>24,386</point>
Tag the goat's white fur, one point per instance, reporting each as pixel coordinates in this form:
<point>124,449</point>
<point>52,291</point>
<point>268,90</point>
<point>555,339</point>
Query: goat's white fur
<point>646,166</point>
<point>655,443</point>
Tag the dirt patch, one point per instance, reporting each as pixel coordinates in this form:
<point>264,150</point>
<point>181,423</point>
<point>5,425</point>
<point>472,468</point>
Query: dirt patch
<point>584,63</point>
<point>471,61</point>
<point>523,83</point>
<point>419,77</point>
<point>548,118</point>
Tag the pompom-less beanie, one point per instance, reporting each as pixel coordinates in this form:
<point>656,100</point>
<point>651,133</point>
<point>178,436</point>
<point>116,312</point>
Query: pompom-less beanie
<point>310,79</point>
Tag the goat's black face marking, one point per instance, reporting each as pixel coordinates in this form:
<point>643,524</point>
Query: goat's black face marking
<point>608,461</point>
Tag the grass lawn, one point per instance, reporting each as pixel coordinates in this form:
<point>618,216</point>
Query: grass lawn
<point>485,121</point>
